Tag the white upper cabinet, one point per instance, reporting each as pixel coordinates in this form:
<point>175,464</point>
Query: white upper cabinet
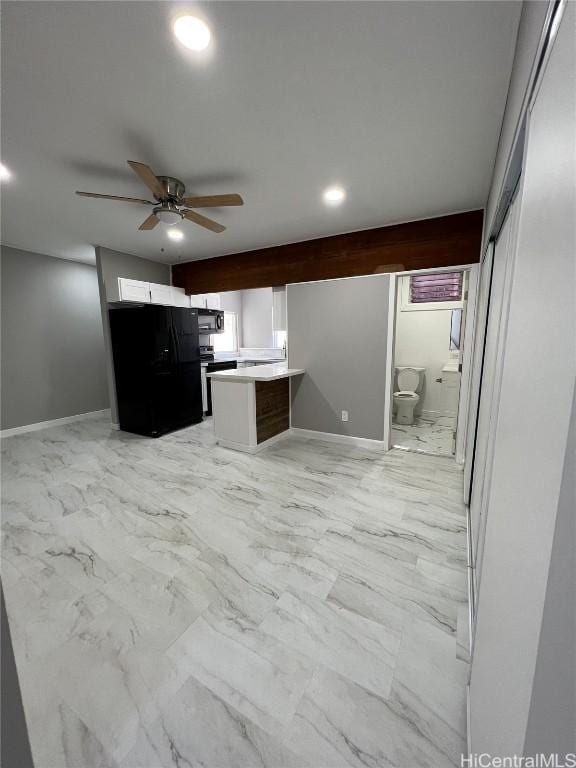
<point>133,290</point>
<point>212,300</point>
<point>152,293</point>
<point>161,294</point>
<point>198,300</point>
<point>179,298</point>
<point>205,300</point>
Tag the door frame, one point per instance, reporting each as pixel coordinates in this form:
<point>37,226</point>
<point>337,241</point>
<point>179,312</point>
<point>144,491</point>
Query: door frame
<point>477,364</point>
<point>469,330</point>
<point>467,359</point>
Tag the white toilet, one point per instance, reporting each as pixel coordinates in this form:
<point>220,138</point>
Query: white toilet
<point>410,381</point>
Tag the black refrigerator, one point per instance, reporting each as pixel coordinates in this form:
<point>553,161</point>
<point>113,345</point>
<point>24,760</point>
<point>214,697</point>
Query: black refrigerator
<point>157,368</point>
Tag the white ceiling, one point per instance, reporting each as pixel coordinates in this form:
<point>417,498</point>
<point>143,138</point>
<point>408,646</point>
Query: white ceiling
<point>399,102</point>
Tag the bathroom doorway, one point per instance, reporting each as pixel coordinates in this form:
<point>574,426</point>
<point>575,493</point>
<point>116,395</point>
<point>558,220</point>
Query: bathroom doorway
<point>428,354</point>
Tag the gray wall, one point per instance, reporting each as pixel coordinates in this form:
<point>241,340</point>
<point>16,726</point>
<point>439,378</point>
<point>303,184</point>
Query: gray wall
<point>257,318</point>
<point>52,343</point>
<point>337,331</point>
<point>552,719</point>
<point>110,266</point>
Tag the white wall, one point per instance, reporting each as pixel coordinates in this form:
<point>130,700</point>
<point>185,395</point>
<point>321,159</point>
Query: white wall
<point>552,720</point>
<point>423,339</point>
<point>231,301</point>
<point>257,318</point>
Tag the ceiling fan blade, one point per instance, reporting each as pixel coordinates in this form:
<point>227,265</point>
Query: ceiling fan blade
<point>146,174</point>
<point>213,201</point>
<point>197,218</point>
<point>116,197</point>
<point>150,222</point>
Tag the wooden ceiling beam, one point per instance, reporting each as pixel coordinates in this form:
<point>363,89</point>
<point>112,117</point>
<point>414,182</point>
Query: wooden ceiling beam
<point>444,241</point>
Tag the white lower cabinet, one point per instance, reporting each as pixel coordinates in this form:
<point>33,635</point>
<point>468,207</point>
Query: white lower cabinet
<point>450,392</point>
<point>133,290</point>
<point>204,389</point>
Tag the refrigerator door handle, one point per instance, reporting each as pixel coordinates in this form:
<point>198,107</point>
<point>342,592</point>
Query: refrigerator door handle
<point>174,337</point>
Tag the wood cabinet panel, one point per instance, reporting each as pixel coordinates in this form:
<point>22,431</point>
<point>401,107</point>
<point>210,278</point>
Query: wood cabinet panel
<point>272,408</point>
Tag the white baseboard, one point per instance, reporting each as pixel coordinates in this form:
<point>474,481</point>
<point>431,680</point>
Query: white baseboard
<point>53,423</point>
<point>359,442</point>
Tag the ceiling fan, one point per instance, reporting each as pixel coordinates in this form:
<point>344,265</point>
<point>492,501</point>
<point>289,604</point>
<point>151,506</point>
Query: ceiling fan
<point>171,205</point>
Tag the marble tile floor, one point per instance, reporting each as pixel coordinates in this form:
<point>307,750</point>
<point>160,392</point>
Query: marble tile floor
<point>429,435</point>
<point>175,604</point>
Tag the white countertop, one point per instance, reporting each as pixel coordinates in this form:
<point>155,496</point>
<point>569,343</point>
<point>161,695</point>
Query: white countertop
<point>257,373</point>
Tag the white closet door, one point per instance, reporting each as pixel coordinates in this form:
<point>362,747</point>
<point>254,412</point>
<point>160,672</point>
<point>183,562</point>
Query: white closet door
<point>538,375</point>
<point>494,346</point>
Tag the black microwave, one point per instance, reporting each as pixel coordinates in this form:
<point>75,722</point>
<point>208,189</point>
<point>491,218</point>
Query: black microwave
<point>210,321</point>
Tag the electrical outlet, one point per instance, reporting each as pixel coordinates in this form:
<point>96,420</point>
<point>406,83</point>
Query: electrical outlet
<point>344,415</point>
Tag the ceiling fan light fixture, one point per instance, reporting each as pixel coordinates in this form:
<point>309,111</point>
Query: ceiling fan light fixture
<point>170,194</point>
<point>192,32</point>
<point>168,216</point>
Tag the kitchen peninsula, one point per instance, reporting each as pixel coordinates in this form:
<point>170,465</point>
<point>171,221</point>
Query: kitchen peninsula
<point>251,406</point>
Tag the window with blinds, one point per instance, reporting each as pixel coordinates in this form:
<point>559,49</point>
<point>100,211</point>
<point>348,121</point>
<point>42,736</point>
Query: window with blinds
<point>443,286</point>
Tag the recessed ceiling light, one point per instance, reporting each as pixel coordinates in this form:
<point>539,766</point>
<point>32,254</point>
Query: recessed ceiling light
<point>4,173</point>
<point>192,32</point>
<point>175,234</point>
<point>334,195</point>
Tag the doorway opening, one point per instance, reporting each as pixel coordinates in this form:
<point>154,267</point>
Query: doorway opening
<point>430,319</point>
